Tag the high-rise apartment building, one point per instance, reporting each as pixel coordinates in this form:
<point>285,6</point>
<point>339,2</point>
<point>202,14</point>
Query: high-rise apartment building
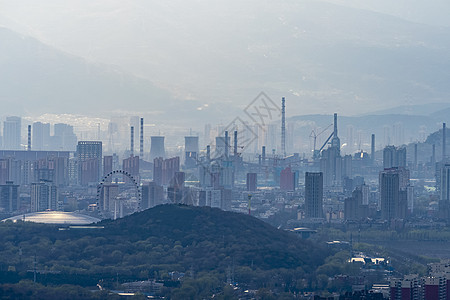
<point>40,136</point>
<point>314,194</point>
<point>287,180</point>
<point>44,196</point>
<point>393,194</point>
<point>12,133</point>
<point>394,157</point>
<point>9,197</point>
<point>89,156</point>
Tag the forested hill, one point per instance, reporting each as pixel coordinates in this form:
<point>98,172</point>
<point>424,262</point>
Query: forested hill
<point>152,243</point>
<point>210,238</point>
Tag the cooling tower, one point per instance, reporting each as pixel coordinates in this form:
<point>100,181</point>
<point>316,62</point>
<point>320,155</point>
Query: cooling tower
<point>157,147</point>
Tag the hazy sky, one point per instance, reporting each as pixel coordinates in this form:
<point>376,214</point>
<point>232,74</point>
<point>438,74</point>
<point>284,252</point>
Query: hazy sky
<point>317,55</point>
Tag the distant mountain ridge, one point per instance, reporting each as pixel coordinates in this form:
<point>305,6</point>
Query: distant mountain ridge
<point>322,57</point>
<point>38,79</point>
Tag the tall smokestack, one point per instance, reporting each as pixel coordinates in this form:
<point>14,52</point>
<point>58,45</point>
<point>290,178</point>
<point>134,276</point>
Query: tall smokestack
<point>132,141</point>
<point>264,154</point>
<point>141,140</point>
<point>29,138</point>
<point>226,144</point>
<point>283,127</point>
<point>235,143</point>
<point>372,149</point>
<point>444,154</point>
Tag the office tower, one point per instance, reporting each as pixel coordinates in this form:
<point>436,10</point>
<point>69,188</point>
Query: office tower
<point>141,140</point>
<point>9,197</point>
<point>152,195</point>
<point>252,181</point>
<point>157,147</point>
<point>393,194</point>
<point>11,133</point>
<point>283,127</point>
<point>44,196</point>
<point>287,180</point>
<point>314,194</point>
<point>41,136</point>
<point>29,138</point>
<point>89,156</point>
<point>190,151</point>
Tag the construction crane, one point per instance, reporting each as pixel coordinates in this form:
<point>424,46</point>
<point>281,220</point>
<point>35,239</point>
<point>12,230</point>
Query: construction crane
<point>314,135</point>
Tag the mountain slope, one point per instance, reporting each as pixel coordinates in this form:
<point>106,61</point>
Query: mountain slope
<point>38,79</point>
<point>322,57</point>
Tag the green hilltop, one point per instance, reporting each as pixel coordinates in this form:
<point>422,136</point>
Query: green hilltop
<point>206,245</point>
